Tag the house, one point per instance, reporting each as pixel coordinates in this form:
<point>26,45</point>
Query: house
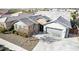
<point>60,27</point>
<point>7,22</point>
<point>26,26</point>
<point>30,25</point>
<point>9,19</point>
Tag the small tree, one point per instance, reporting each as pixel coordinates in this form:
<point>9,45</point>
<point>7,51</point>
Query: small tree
<point>13,11</point>
<point>74,15</point>
<point>74,20</point>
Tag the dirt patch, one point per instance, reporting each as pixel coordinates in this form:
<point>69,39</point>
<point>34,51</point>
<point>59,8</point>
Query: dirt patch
<point>26,43</point>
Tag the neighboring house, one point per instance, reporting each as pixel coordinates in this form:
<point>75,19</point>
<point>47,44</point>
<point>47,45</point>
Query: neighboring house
<point>7,22</point>
<point>26,26</point>
<point>9,19</point>
<point>6,15</point>
<point>59,27</point>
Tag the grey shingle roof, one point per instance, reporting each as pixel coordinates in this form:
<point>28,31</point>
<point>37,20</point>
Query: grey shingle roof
<point>26,21</point>
<point>47,18</point>
<point>6,15</point>
<point>36,17</point>
<point>63,21</point>
<point>11,19</point>
<point>25,14</point>
<point>14,17</point>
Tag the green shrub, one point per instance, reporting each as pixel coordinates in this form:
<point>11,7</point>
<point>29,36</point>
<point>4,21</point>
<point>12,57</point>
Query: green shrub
<point>2,30</point>
<point>13,31</point>
<point>13,11</point>
<point>21,34</point>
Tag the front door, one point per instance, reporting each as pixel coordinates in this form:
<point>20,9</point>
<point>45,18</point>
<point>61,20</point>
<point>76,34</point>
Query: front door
<point>41,28</point>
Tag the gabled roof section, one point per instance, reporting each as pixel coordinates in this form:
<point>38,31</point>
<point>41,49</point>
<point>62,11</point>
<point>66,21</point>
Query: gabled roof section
<point>36,17</point>
<point>47,18</point>
<point>6,15</point>
<point>12,19</point>
<point>3,19</point>
<point>63,22</point>
<point>26,21</point>
<point>25,14</point>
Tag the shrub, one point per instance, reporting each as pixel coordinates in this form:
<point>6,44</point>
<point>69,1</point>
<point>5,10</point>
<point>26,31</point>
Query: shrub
<point>21,34</point>
<point>2,30</point>
<point>13,11</point>
<point>13,31</point>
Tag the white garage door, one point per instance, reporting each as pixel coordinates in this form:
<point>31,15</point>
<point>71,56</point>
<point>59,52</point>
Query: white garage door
<point>54,32</point>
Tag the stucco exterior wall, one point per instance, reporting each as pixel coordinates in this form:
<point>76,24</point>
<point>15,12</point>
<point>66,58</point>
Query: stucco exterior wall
<point>28,29</point>
<point>2,25</point>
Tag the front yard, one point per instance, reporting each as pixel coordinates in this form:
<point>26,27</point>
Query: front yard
<point>26,43</point>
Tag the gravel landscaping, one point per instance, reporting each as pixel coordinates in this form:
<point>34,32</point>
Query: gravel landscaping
<point>26,43</point>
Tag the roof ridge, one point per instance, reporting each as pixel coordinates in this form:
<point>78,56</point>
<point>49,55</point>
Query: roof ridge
<point>6,19</point>
<point>31,20</point>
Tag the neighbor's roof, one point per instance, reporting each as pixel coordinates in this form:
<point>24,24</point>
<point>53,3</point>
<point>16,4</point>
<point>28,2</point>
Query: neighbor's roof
<point>8,19</point>
<point>63,21</point>
<point>3,19</point>
<point>25,14</point>
<point>11,19</point>
<point>6,15</point>
<point>3,11</point>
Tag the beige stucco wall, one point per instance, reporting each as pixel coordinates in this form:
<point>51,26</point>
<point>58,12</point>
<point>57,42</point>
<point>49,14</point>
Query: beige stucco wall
<point>2,24</point>
<point>30,30</point>
<point>21,28</point>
